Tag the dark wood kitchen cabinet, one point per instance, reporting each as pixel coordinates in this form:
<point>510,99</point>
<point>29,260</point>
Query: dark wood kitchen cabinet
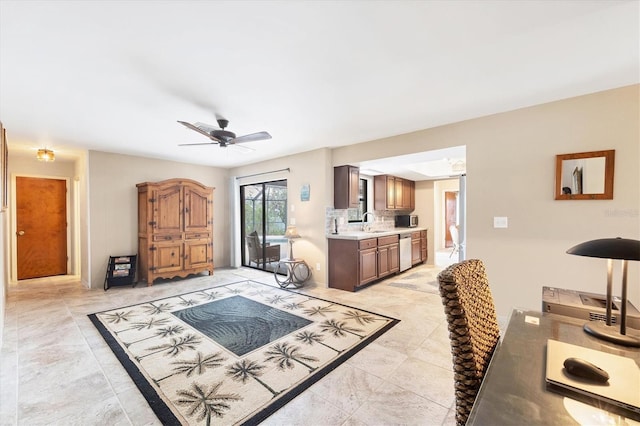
<point>346,187</point>
<point>368,261</point>
<point>418,247</point>
<point>175,229</point>
<point>393,193</point>
<point>423,245</point>
<point>355,263</point>
<point>388,255</point>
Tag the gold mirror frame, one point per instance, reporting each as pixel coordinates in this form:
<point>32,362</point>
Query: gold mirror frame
<point>609,157</point>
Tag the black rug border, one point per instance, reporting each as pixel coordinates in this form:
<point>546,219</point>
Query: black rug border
<point>166,415</point>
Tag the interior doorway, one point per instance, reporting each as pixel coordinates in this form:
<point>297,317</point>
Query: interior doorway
<point>263,213</point>
<point>41,227</point>
<point>450,216</point>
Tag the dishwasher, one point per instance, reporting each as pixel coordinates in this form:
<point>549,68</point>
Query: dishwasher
<point>405,252</point>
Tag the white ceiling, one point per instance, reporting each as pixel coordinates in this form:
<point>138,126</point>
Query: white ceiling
<point>116,75</point>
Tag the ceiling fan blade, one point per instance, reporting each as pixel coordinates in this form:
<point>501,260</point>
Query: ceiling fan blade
<point>192,127</point>
<point>260,136</point>
<point>193,144</point>
<point>206,127</point>
<point>241,148</point>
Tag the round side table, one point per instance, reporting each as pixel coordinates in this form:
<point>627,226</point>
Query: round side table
<point>297,272</point>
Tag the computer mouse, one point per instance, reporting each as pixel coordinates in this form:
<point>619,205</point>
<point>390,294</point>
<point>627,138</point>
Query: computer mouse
<point>584,369</point>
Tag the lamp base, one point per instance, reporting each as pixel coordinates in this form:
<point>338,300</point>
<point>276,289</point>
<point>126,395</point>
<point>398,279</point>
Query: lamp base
<point>612,334</point>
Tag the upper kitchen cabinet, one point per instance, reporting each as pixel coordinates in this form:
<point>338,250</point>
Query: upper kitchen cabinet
<point>393,193</point>
<point>346,183</point>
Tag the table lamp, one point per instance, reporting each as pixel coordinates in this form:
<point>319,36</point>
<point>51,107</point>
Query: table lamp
<point>610,249</point>
<point>291,234</point>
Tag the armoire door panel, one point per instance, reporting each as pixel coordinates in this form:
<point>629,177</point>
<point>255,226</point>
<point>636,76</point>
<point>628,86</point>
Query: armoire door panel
<point>197,211</point>
<point>168,257</point>
<point>168,210</point>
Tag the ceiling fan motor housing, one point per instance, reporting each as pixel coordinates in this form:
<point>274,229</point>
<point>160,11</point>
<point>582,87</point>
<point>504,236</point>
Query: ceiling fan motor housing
<point>223,135</point>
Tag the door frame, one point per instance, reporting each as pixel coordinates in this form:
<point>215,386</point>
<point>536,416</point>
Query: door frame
<point>72,250</point>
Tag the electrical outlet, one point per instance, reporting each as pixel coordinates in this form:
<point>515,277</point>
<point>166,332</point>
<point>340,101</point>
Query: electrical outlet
<point>500,222</point>
<point>318,266</point>
<point>292,221</point>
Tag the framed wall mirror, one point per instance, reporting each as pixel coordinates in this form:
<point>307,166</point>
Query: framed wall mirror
<point>585,175</point>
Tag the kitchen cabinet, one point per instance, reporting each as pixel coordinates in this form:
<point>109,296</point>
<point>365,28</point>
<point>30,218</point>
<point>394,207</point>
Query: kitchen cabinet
<point>388,255</point>
<point>418,247</point>
<point>355,263</point>
<point>175,229</point>
<point>393,193</point>
<point>368,261</point>
<point>346,187</point>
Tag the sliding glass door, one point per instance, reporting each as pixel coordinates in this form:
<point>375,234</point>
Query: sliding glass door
<point>264,221</point>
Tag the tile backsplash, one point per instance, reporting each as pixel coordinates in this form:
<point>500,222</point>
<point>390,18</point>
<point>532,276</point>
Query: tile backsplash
<point>383,220</point>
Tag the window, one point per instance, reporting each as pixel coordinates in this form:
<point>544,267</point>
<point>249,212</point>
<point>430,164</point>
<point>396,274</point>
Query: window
<point>355,215</point>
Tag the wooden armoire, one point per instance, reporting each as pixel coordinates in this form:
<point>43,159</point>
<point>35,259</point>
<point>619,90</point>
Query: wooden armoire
<point>175,229</point>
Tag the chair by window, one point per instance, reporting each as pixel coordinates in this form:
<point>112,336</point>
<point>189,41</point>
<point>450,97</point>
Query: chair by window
<point>455,238</point>
<point>261,253</point>
<point>473,328</point>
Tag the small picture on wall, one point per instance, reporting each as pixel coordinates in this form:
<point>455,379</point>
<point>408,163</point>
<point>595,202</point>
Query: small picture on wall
<point>305,192</point>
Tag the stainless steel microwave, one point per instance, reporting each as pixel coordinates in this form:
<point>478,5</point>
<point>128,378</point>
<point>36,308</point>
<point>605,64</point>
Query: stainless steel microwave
<point>406,221</point>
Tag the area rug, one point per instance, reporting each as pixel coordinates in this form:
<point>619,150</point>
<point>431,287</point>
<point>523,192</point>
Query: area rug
<point>233,354</point>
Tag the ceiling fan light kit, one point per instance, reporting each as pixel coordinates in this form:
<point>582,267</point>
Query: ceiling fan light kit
<point>221,136</point>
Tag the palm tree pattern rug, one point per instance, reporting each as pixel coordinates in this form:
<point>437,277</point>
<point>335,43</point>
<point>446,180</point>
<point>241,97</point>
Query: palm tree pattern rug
<point>236,353</point>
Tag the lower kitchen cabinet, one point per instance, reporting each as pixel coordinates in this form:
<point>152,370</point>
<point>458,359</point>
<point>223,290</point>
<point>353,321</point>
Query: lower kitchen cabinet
<point>388,255</point>
<point>355,263</point>
<point>418,247</point>
<point>368,261</point>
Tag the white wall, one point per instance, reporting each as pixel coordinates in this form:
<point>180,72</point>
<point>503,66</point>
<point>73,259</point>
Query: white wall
<point>113,205</point>
<point>313,168</point>
<point>427,215</point>
<point>510,172</point>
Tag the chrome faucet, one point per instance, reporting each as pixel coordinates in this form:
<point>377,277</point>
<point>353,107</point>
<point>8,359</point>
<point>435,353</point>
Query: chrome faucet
<point>365,226</point>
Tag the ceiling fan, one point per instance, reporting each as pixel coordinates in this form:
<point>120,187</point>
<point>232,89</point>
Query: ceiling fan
<point>221,136</point>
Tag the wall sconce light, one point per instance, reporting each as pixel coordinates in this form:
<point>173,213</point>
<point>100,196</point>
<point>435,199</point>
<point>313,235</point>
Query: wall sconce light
<point>45,154</point>
<point>291,234</point>
<point>610,249</point>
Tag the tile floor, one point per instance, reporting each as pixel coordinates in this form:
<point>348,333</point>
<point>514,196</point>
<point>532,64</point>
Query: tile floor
<point>56,369</point>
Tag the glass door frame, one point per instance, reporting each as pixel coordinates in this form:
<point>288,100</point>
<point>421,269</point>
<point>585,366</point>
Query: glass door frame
<point>263,231</point>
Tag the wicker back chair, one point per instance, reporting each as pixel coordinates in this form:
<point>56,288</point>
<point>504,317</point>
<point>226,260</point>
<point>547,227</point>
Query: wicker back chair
<point>473,328</point>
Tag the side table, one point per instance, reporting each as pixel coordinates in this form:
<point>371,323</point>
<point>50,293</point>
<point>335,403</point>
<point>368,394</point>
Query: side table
<point>297,272</point>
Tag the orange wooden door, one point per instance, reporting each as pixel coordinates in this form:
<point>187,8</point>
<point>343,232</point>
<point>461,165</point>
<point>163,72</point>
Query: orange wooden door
<point>450,213</point>
<point>41,220</point>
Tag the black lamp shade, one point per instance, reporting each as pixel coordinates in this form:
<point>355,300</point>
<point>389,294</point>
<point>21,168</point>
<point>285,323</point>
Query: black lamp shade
<point>608,248</point>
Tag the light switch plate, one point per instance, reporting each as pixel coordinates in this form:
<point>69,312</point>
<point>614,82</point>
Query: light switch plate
<point>500,222</point>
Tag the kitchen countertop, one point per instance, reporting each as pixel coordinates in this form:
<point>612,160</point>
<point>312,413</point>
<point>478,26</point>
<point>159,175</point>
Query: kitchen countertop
<point>363,235</point>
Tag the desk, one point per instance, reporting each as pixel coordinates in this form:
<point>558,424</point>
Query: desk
<point>513,391</point>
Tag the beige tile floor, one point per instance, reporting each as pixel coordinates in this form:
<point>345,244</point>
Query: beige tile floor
<point>56,369</point>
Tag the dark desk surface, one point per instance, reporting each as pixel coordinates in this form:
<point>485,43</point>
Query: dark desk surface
<point>514,391</point>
